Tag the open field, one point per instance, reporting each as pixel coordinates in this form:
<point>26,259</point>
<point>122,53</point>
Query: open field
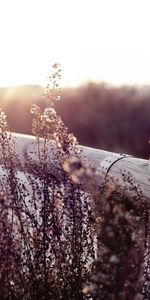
<point>100,116</point>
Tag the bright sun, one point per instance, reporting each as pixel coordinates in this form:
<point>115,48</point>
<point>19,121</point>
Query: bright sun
<point>92,40</point>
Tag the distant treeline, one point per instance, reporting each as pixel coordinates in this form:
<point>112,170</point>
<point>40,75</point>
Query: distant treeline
<point>101,116</point>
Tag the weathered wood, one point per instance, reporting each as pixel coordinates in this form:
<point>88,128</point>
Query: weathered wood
<point>139,169</point>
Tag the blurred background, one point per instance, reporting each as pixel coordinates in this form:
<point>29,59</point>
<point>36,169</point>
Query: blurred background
<point>103,47</point>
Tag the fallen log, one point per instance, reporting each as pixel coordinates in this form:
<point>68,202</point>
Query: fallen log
<point>112,164</point>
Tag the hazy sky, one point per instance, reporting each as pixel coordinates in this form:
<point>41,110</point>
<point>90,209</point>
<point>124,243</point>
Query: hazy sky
<point>107,40</point>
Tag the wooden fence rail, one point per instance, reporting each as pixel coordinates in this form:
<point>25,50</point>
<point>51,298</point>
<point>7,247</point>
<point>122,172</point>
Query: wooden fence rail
<point>109,163</point>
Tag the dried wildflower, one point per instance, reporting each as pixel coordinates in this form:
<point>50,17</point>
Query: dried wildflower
<point>75,168</point>
<point>50,234</point>
<point>3,122</point>
<point>47,241</point>
<point>52,91</point>
<point>35,110</point>
<point>121,238</point>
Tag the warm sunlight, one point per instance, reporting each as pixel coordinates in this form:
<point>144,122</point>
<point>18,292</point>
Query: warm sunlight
<point>92,40</point>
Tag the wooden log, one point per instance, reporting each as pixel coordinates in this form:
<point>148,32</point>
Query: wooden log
<point>138,169</point>
<point>109,163</point>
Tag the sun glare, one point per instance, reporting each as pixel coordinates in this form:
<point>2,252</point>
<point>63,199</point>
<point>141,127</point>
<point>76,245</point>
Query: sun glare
<point>98,40</point>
